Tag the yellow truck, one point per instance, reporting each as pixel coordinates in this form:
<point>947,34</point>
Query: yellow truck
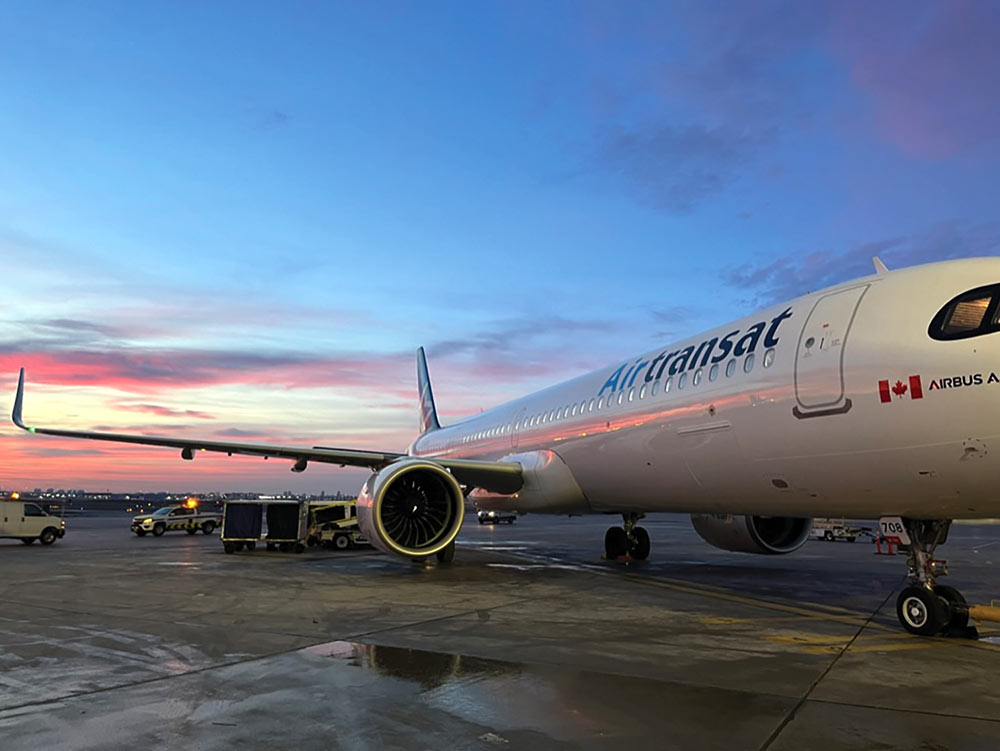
<point>334,525</point>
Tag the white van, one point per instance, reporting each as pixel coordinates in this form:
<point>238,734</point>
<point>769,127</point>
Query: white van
<point>28,522</point>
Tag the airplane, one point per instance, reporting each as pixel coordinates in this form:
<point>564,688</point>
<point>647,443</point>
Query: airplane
<point>871,399</point>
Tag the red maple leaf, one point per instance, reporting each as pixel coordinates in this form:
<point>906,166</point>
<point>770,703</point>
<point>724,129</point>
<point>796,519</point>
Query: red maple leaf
<point>899,388</point>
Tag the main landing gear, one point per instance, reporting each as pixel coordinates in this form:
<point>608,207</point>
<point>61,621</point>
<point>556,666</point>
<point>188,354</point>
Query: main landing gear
<point>925,607</point>
<point>628,540</point>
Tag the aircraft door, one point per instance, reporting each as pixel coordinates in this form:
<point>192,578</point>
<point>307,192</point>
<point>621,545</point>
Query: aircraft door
<point>516,428</point>
<point>819,360</point>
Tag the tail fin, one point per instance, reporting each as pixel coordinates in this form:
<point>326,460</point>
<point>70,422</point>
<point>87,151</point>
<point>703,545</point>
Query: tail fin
<point>428,412</point>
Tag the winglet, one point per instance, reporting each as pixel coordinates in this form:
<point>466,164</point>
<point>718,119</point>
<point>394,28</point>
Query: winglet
<point>18,402</point>
<point>428,412</point>
<point>880,268</point>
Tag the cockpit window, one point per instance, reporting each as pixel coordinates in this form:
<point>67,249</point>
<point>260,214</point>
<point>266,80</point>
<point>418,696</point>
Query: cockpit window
<point>970,314</point>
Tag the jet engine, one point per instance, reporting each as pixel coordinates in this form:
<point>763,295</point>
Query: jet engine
<point>752,534</point>
<point>412,508</point>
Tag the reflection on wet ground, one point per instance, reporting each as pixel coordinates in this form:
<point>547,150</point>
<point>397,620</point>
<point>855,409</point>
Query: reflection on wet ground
<point>526,641</point>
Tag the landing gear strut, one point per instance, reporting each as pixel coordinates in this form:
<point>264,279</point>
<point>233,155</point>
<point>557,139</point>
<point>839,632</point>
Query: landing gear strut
<point>925,607</point>
<point>627,540</point>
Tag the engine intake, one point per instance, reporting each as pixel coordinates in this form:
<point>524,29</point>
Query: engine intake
<point>753,534</point>
<point>412,508</point>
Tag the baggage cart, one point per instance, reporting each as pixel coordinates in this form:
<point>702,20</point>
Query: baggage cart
<point>279,525</point>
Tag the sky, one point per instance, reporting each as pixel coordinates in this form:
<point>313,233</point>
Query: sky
<point>240,219</point>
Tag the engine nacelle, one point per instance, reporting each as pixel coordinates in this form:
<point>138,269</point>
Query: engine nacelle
<point>752,534</point>
<point>412,508</point>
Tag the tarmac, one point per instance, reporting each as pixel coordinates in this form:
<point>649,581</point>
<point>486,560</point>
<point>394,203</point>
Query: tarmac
<point>528,640</point>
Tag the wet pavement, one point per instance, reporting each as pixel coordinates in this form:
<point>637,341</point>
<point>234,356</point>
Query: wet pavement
<point>528,640</point>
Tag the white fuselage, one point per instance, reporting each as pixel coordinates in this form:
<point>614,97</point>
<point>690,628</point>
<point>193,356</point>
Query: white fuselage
<point>802,430</point>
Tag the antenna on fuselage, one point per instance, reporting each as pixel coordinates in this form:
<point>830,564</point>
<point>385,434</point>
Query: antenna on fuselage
<point>880,268</point>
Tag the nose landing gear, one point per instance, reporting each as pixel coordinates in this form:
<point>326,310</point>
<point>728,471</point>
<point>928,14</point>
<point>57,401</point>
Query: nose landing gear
<point>628,540</point>
<point>925,607</point>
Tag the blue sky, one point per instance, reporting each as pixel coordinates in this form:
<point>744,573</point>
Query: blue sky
<point>242,218</point>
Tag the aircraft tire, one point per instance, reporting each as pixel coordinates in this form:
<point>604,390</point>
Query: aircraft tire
<point>447,553</point>
<point>921,611</point>
<point>615,543</point>
<point>640,544</point>
<point>957,606</point>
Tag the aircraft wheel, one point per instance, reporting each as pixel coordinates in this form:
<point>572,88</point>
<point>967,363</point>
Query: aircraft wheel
<point>640,544</point>
<point>159,529</point>
<point>615,543</point>
<point>447,553</point>
<point>921,611</point>
<point>957,606</point>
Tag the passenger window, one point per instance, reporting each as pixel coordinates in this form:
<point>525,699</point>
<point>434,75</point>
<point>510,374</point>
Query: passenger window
<point>600,402</point>
<point>967,315</point>
<point>769,358</point>
<point>30,509</point>
<point>656,387</point>
<point>697,377</point>
<point>682,380</point>
<point>621,396</point>
<point>730,368</point>
<point>574,411</point>
<point>642,391</point>
<point>631,393</point>
<point>668,384</point>
<point>590,407</point>
<point>552,415</point>
<point>713,372</point>
<point>748,363</point>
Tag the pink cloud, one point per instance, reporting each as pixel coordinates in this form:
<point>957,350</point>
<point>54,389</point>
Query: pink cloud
<point>929,69</point>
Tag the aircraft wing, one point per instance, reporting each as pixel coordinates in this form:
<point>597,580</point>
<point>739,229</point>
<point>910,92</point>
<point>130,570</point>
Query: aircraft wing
<point>499,477</point>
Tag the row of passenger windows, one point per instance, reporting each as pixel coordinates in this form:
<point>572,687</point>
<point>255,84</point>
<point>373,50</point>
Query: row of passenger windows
<point>642,391</point>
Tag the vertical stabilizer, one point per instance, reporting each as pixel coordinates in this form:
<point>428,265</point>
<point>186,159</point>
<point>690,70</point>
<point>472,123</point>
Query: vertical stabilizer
<point>428,412</point>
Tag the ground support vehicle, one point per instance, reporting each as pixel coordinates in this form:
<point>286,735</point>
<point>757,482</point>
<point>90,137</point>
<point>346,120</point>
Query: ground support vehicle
<point>497,517</point>
<point>837,529</point>
<point>279,525</point>
<point>185,518</point>
<point>27,522</point>
<point>334,525</point>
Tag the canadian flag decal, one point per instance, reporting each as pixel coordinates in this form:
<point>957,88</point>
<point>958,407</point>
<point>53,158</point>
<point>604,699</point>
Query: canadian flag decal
<point>887,389</point>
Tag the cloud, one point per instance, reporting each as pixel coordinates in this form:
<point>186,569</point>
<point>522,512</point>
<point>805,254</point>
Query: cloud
<point>707,90</point>
<point>671,319</point>
<point>791,275</point>
<point>676,168</point>
<point>157,409</point>
<point>929,70</point>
